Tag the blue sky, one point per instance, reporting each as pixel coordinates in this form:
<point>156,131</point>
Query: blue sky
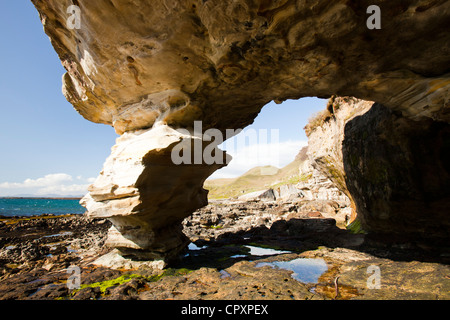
<point>46,147</point>
<point>288,119</point>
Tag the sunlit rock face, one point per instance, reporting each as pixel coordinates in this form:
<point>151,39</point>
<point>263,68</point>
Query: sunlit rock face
<point>146,195</point>
<point>131,63</point>
<point>220,61</point>
<point>326,133</point>
<point>395,171</point>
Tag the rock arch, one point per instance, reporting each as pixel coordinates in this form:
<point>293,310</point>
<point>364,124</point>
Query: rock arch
<point>136,63</point>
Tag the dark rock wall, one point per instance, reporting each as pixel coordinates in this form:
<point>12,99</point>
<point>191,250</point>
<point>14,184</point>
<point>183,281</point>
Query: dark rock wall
<point>398,172</point>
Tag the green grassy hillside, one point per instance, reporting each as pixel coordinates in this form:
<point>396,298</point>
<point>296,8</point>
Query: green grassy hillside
<point>255,179</point>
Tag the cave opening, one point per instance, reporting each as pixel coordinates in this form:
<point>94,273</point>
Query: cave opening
<point>391,170</point>
<point>263,153</point>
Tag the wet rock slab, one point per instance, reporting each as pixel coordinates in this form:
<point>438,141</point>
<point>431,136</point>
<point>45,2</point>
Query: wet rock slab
<point>243,281</point>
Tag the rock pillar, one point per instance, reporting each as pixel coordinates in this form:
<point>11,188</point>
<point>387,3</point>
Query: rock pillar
<point>146,194</point>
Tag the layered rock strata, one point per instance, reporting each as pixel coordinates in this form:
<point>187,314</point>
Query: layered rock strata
<point>314,185</point>
<point>326,133</point>
<point>394,170</point>
<point>146,195</point>
<point>221,61</point>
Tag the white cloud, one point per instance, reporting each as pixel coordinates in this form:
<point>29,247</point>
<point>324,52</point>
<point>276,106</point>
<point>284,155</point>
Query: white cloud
<point>55,184</point>
<point>48,180</point>
<point>277,154</point>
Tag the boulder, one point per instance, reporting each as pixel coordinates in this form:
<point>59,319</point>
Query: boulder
<point>314,185</point>
<point>287,192</point>
<point>265,195</point>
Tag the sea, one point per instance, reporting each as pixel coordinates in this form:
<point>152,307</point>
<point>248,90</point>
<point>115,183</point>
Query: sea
<point>39,206</point>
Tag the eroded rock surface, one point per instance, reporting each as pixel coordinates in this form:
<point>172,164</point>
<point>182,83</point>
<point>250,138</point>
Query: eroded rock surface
<point>133,62</point>
<point>146,195</point>
<point>326,133</point>
<point>399,174</point>
<point>232,219</point>
<point>314,185</point>
<point>393,169</point>
<point>236,265</point>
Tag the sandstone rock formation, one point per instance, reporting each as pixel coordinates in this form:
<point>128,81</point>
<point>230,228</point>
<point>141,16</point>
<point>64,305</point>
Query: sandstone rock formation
<point>133,63</point>
<point>325,136</point>
<point>318,186</point>
<point>221,61</point>
<point>231,219</point>
<point>394,170</point>
<point>265,195</point>
<point>287,192</point>
<point>313,184</point>
<point>146,195</point>
<point>399,174</point>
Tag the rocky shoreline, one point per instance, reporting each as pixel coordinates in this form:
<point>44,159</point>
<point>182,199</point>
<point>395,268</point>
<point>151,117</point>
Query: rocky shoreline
<point>185,74</point>
<point>235,249</point>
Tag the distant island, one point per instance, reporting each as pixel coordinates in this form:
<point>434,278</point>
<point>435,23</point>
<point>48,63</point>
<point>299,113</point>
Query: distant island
<point>52,198</point>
